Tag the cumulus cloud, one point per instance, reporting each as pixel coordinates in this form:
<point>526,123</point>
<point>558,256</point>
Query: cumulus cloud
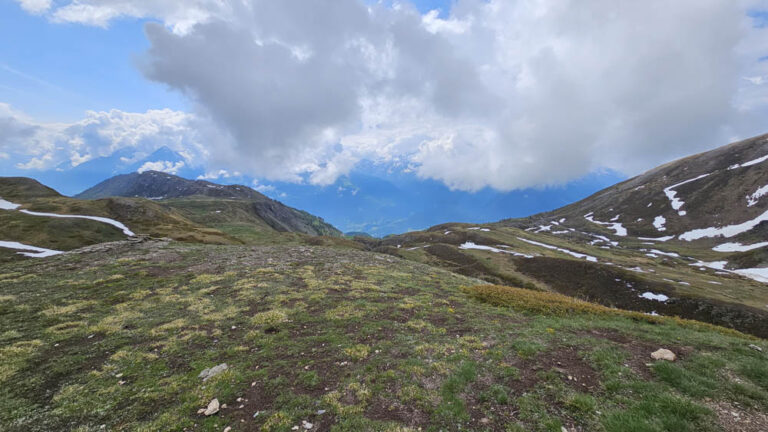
<point>44,146</point>
<point>163,166</point>
<point>496,93</point>
<point>35,6</point>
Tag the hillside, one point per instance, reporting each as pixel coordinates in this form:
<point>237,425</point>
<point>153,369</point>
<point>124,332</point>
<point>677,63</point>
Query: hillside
<point>720,188</point>
<point>124,336</point>
<point>235,206</point>
<point>708,260</point>
<point>40,218</point>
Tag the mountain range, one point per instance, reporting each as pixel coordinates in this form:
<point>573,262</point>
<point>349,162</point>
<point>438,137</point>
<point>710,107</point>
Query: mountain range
<point>545,322</point>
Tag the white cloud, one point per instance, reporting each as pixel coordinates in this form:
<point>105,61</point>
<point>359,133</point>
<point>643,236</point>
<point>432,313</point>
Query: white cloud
<point>42,146</point>
<point>497,93</point>
<point>163,166</point>
<point>35,6</point>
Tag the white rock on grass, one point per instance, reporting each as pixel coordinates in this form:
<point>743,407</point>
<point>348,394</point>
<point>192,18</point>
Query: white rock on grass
<point>209,373</point>
<point>213,408</point>
<point>664,354</point>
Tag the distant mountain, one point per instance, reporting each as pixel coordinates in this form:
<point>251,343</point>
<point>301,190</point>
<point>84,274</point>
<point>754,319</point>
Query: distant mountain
<point>225,204</point>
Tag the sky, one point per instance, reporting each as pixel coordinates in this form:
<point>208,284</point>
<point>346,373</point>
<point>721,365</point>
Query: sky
<point>380,116</point>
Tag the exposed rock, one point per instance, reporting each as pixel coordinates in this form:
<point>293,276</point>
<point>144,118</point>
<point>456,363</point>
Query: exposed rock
<point>209,373</point>
<point>213,408</point>
<point>755,347</point>
<point>664,354</point>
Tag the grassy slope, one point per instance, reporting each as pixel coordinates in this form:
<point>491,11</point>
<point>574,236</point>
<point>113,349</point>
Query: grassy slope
<point>727,298</point>
<point>118,336</point>
<point>141,216</point>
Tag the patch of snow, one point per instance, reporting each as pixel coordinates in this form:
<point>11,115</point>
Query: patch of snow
<point>112,222</point>
<point>616,226</point>
<point>716,265</point>
<point>471,245</point>
<point>565,251</point>
<point>651,296</point>
<point>649,204</point>
<point>658,252</point>
<point>755,197</point>
<point>479,228</point>
<point>615,218</point>
<point>738,247</point>
<point>635,269</point>
<point>31,251</point>
<point>659,239</point>
<point>758,274</point>
<point>750,163</point>
<point>417,247</point>
<point>7,205</point>
<point>543,228</point>
<point>653,313</point>
<point>726,231</point>
<point>560,232</point>
<point>447,232</point>
<point>562,220</point>
<point>659,222</point>
<point>715,283</point>
<point>671,194</point>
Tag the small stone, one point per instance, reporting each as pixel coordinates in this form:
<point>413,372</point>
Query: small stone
<point>295,428</point>
<point>209,373</point>
<point>485,420</point>
<point>664,354</point>
<point>307,425</point>
<point>320,412</point>
<point>228,428</point>
<point>239,399</point>
<point>755,347</point>
<point>119,375</point>
<point>256,414</point>
<point>241,407</point>
<point>213,408</point>
<point>223,406</point>
<point>563,429</point>
<point>121,382</point>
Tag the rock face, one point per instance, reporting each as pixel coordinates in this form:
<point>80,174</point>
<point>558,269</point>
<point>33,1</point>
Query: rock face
<point>209,373</point>
<point>664,354</point>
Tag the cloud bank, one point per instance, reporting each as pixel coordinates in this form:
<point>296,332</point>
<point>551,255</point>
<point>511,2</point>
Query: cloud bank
<point>497,93</point>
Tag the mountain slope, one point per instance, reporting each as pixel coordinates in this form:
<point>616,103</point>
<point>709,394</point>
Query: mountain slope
<point>706,258</point>
<point>718,188</point>
<point>38,216</point>
<point>115,337</point>
<point>204,201</point>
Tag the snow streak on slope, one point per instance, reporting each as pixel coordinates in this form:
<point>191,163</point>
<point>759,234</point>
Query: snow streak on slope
<point>565,251</point>
<point>726,231</point>
<point>471,245</point>
<point>755,197</point>
<point>7,205</point>
<point>738,247</point>
<point>750,163</point>
<point>32,251</point>
<point>672,194</point>
<point>616,226</point>
<point>112,222</point>
<point>659,222</point>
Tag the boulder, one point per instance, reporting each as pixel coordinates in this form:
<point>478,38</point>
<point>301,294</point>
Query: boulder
<point>209,373</point>
<point>664,354</point>
<point>213,408</point>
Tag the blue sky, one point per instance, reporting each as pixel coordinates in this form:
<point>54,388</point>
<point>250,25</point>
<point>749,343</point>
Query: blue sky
<point>429,119</point>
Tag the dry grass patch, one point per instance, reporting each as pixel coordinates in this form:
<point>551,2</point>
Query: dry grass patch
<point>547,303</point>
